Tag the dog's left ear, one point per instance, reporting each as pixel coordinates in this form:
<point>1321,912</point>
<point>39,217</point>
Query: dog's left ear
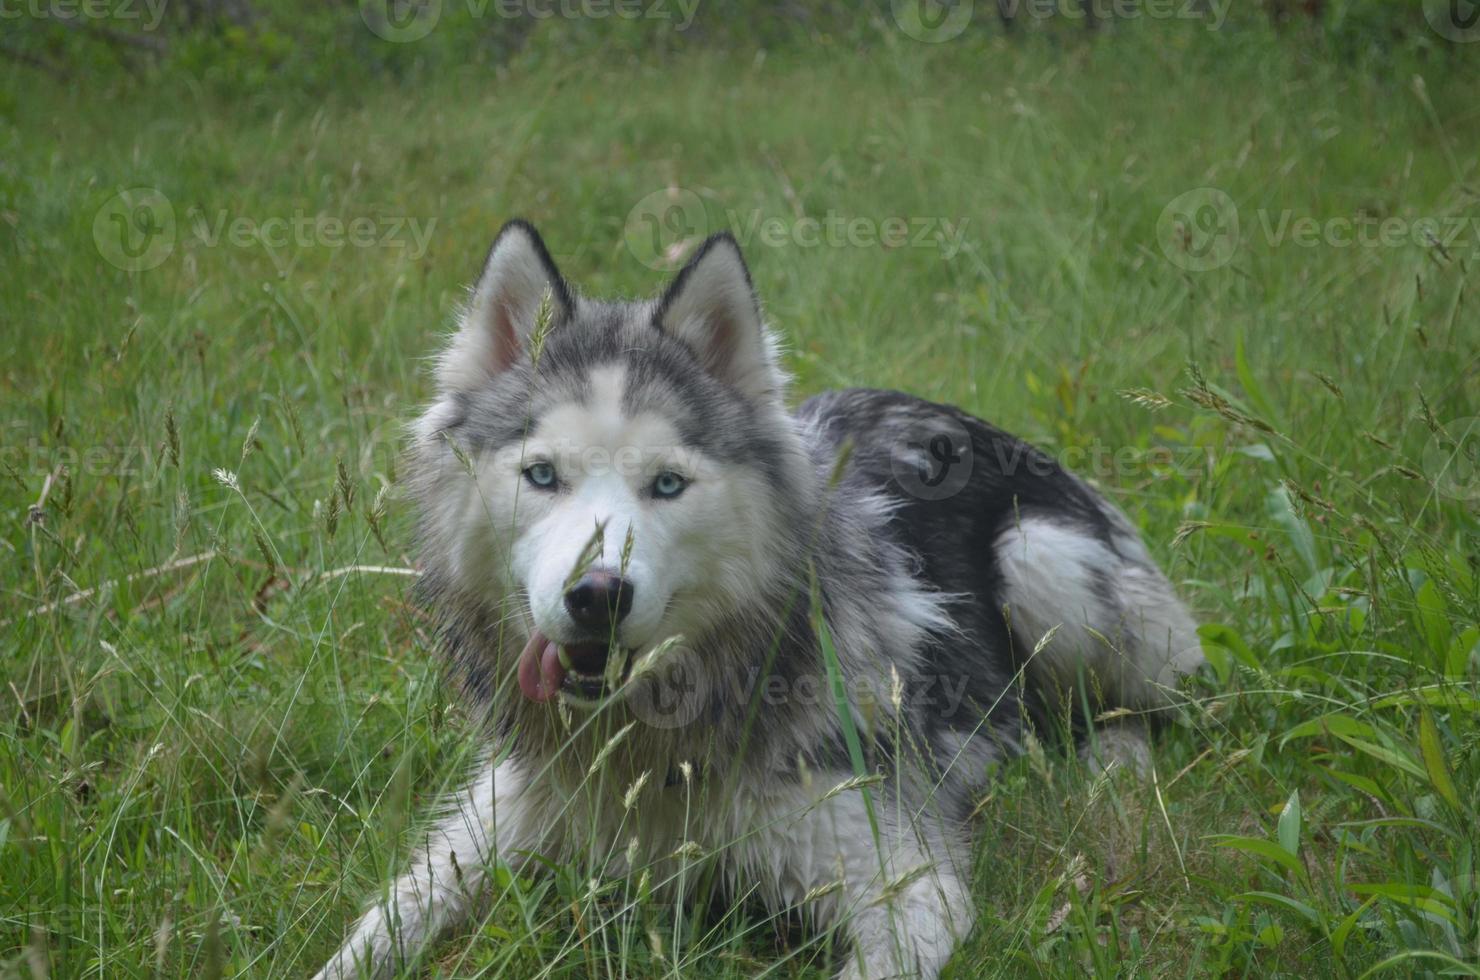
<point>711,307</point>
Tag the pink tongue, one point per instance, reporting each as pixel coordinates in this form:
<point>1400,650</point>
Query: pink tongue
<point>540,669</point>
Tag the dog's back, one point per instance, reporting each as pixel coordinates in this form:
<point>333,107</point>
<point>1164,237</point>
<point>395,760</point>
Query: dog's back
<point>1044,576</point>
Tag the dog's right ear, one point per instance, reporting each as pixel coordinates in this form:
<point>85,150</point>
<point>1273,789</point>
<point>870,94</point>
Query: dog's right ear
<point>500,316</point>
<point>711,307</point>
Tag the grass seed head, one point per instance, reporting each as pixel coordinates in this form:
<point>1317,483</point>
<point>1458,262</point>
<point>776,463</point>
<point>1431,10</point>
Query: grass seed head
<point>345,485</point>
<point>1146,398</point>
<point>375,516</point>
<point>266,551</point>
<point>250,442</point>
<point>609,748</point>
<point>629,799</point>
<point>544,321</point>
<point>172,436</point>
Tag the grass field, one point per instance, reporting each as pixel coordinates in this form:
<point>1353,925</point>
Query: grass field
<point>221,716</point>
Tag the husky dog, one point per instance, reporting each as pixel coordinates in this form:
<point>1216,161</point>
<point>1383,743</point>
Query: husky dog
<point>711,636</point>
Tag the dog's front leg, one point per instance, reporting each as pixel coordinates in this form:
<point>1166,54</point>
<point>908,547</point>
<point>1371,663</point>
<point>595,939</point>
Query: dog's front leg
<point>492,819</point>
<point>904,901</point>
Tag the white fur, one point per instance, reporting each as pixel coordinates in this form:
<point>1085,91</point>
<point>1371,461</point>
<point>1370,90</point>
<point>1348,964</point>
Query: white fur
<point>1132,650</point>
<point>501,529</point>
<point>903,902</point>
<point>491,822</point>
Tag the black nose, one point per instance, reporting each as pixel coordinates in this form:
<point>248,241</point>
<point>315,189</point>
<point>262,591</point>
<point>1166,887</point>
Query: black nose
<point>599,601</point>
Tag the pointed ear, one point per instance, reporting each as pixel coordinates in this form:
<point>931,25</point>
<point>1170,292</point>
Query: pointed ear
<point>500,315</point>
<point>711,306</point>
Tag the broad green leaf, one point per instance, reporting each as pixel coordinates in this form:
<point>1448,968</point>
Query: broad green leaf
<point>1367,785</point>
<point>1420,897</point>
<point>1438,695</point>
<point>1457,662</point>
<point>1269,933</point>
<point>1331,724</point>
<point>1288,828</point>
<point>1383,754</point>
<point>1284,902</point>
<point>1282,511</point>
<point>1433,758</point>
<point>1343,930</point>
<point>1404,822</point>
<point>1456,968</point>
<point>1226,637</point>
<point>1433,617</point>
<point>1261,401</point>
<point>1267,849</point>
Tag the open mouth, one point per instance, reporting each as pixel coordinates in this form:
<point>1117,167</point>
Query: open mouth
<point>582,673</point>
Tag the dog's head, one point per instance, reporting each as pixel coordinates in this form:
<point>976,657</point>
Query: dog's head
<point>606,476</point>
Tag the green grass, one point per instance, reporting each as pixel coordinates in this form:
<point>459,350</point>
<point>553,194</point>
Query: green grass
<point>205,767</point>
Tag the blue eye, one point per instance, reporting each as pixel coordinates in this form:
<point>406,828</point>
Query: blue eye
<point>541,475</point>
<point>669,485</point>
